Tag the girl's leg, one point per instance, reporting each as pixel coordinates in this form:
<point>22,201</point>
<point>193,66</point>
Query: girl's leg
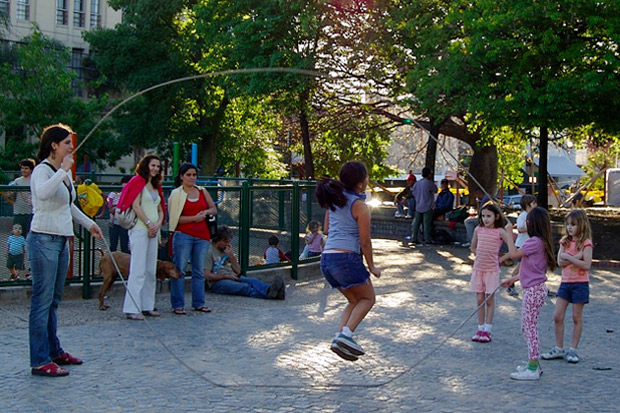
<point>533,300</point>
<point>490,308</point>
<point>558,320</point>
<point>361,299</point>
<point>479,301</point>
<point>578,323</point>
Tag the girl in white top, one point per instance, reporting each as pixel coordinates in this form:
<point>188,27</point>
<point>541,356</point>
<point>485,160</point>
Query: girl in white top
<point>52,201</point>
<point>527,202</point>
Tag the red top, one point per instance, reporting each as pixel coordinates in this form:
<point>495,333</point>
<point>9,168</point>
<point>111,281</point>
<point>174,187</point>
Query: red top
<point>195,229</point>
<point>131,191</point>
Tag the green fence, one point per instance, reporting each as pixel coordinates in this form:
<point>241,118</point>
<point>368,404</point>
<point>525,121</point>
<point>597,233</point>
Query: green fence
<point>254,210</point>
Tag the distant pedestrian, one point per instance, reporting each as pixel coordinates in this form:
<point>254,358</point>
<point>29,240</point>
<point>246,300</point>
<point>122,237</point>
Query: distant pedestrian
<point>575,259</point>
<point>527,202</point>
<point>115,231</point>
<point>405,199</point>
<point>22,208</point>
<point>537,257</point>
<point>347,221</point>
<point>424,193</point>
<point>16,252</point>
<point>486,243</point>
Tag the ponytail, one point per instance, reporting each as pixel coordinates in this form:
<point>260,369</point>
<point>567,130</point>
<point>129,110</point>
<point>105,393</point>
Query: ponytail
<point>329,193</point>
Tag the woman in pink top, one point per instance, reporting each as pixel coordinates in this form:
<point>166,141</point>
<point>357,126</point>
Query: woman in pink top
<point>575,258</point>
<point>486,242</point>
<point>536,258</point>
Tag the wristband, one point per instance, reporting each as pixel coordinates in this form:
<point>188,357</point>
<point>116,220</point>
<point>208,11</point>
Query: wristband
<point>148,222</point>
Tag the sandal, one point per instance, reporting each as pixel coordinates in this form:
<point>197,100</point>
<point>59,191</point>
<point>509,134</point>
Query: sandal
<point>202,309</point>
<point>135,317</point>
<point>151,313</point>
<point>66,359</point>
<point>179,311</point>
<point>49,370</point>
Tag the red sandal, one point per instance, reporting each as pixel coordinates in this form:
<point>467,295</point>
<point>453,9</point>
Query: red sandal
<point>66,359</point>
<point>49,370</point>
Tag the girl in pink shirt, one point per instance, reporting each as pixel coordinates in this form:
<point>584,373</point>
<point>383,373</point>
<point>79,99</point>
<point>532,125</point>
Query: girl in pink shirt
<point>486,243</point>
<point>575,258</point>
<point>537,256</point>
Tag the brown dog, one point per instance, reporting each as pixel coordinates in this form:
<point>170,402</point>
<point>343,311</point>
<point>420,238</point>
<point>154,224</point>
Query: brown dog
<point>165,270</point>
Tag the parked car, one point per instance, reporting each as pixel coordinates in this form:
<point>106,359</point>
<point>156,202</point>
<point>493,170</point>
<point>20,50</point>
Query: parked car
<point>513,201</point>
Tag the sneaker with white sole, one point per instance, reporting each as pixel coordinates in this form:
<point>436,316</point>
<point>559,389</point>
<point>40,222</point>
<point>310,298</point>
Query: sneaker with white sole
<point>525,366</point>
<point>526,374</point>
<point>398,215</point>
<point>554,353</point>
<point>349,344</point>
<point>511,291</point>
<point>485,337</point>
<point>476,336</point>
<point>342,352</point>
<point>571,356</point>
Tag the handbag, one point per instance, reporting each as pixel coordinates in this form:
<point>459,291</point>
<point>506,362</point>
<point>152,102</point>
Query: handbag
<point>127,218</point>
<point>212,225</point>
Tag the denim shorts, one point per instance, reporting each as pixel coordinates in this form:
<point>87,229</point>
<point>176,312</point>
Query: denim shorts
<point>575,293</point>
<point>344,270</point>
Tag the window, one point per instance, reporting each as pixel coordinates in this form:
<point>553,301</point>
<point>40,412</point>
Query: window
<point>23,9</point>
<point>79,17</point>
<point>95,14</point>
<point>4,8</point>
<point>62,12</point>
<point>77,58</point>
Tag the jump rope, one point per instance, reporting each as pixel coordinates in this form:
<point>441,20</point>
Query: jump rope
<point>198,374</point>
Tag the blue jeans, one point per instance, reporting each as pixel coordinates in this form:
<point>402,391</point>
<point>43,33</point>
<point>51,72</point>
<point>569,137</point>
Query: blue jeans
<point>249,287</point>
<point>184,248</point>
<point>116,233</point>
<point>409,203</point>
<point>49,259</point>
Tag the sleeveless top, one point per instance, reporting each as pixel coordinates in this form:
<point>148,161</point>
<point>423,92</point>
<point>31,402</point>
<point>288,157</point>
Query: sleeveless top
<point>149,204</point>
<point>487,250</point>
<point>343,229</point>
<point>191,208</point>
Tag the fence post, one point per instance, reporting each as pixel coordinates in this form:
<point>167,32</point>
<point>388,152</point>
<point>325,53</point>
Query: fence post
<point>281,203</point>
<point>244,227</point>
<point>86,264</point>
<point>295,231</point>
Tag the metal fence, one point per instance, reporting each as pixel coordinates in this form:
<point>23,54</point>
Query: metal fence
<point>253,209</point>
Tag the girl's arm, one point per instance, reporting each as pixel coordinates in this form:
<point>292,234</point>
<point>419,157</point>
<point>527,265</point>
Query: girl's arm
<point>561,261</point>
<point>474,242</point>
<point>362,215</point>
<point>583,263</point>
<point>211,208</point>
<point>326,222</point>
<point>506,234</point>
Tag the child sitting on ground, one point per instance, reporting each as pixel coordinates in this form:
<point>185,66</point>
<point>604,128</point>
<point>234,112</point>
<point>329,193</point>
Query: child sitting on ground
<point>314,239</point>
<point>16,252</point>
<point>273,254</point>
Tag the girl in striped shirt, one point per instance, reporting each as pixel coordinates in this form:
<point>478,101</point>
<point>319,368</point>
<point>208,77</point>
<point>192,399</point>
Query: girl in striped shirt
<point>486,243</point>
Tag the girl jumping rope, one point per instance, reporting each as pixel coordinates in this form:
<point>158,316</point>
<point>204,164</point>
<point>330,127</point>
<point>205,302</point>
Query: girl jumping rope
<point>486,243</point>
<point>347,223</point>
<point>536,258</point>
<point>575,258</point>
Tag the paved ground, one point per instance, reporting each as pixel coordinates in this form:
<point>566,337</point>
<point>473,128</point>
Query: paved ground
<point>258,355</point>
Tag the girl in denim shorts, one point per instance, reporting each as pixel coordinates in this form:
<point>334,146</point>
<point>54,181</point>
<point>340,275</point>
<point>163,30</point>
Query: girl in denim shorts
<point>347,224</point>
<point>575,258</point>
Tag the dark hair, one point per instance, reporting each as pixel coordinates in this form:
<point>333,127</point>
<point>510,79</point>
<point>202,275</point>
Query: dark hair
<point>142,169</point>
<point>52,134</point>
<point>500,221</point>
<point>125,179</point>
<point>29,163</point>
<point>182,170</point>
<point>329,192</point>
<point>526,200</point>
<point>426,172</point>
<point>223,232</point>
<point>274,240</point>
<point>313,225</point>
<point>539,225</point>
<point>445,181</point>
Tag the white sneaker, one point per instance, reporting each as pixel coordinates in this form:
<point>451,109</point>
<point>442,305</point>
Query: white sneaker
<point>398,215</point>
<point>526,374</point>
<point>524,367</point>
<point>409,217</point>
<point>554,353</point>
<point>571,356</point>
<point>466,245</point>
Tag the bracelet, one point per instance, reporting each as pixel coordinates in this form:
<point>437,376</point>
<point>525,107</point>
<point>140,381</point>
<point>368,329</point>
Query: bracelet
<point>148,222</point>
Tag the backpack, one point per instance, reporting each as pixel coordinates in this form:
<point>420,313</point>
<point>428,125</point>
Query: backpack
<point>441,236</point>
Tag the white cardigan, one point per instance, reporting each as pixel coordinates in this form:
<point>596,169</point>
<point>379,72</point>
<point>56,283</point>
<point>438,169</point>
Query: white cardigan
<point>53,209</point>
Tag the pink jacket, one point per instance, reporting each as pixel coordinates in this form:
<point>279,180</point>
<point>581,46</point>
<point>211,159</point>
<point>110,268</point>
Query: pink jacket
<point>131,191</point>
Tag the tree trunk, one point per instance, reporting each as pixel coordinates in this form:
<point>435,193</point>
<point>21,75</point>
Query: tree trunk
<point>208,148</point>
<point>484,168</point>
<point>542,169</point>
<point>431,147</point>
<point>305,136</point>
